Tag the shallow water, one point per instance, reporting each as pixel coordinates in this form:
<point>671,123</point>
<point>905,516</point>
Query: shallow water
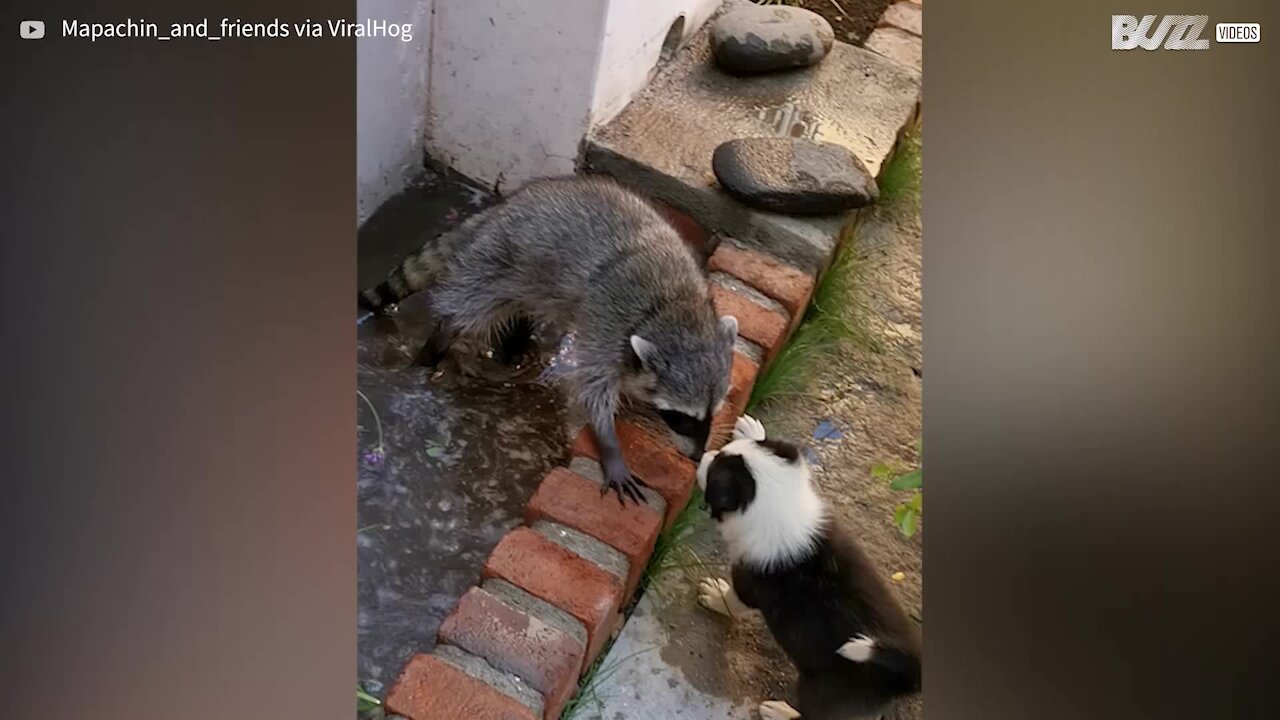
<point>448,473</point>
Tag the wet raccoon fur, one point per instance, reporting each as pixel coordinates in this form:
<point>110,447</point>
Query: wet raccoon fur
<point>584,255</point>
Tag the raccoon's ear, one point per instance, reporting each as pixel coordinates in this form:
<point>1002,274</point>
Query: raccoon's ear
<point>644,350</point>
<point>729,328</point>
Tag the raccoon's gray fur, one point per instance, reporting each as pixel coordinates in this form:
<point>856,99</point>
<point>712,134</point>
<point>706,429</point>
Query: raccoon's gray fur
<point>587,255</point>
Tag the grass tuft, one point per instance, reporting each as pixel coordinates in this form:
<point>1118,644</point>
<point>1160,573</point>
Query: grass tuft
<point>364,701</point>
<point>900,177</point>
<point>833,321</point>
<point>588,695</point>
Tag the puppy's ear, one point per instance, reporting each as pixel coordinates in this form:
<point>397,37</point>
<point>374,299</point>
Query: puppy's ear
<point>730,485</point>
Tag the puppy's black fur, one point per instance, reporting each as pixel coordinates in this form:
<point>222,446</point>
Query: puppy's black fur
<point>815,603</point>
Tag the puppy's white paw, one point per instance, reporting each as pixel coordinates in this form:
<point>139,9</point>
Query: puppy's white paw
<point>858,649</point>
<point>777,710</point>
<point>716,595</point>
<point>749,428</point>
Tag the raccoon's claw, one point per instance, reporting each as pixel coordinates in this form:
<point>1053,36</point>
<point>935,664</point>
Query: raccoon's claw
<point>629,487</point>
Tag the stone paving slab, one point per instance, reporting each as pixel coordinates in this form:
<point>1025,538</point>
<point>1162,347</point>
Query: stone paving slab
<point>897,45</point>
<point>645,685</point>
<point>662,143</point>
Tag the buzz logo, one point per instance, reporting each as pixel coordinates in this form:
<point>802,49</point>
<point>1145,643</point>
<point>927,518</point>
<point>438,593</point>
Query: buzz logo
<point>1176,32</point>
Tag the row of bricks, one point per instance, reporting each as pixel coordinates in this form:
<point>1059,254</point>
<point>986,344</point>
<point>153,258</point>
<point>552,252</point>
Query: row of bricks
<point>553,590</point>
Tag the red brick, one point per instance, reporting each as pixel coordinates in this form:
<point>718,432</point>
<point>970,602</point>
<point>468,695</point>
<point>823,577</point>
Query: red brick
<point>572,500</point>
<point>430,689</point>
<point>756,322</point>
<point>741,381</point>
<point>542,655</point>
<point>572,583</point>
<point>661,466</point>
<point>789,286</point>
<point>690,230</point>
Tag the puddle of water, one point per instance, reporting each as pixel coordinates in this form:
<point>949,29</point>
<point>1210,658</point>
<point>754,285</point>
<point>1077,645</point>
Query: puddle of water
<point>444,466</point>
<point>790,119</point>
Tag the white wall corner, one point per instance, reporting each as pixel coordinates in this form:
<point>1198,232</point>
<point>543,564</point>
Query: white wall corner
<point>391,102</point>
<point>635,32</point>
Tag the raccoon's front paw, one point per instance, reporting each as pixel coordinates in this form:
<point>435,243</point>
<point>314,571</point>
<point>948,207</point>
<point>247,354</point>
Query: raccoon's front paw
<point>777,710</point>
<point>619,479</point>
<point>748,428</point>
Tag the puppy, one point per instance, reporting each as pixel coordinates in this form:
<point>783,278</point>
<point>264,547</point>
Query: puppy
<point>824,601</point>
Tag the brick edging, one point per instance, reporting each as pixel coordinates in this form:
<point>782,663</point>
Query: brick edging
<point>528,639</point>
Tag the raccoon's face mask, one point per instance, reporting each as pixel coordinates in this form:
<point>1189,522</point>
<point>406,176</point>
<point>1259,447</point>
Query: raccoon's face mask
<point>688,385</point>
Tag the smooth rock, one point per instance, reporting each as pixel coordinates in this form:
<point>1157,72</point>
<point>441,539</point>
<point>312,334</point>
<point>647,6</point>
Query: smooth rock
<point>794,175</point>
<point>763,38</point>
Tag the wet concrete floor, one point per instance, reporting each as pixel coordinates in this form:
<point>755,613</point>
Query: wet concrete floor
<point>445,461</point>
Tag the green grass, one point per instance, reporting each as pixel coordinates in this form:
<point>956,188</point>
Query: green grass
<point>365,701</point>
<point>833,322</point>
<point>900,177</point>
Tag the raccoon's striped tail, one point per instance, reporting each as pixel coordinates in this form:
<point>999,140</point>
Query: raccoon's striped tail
<point>418,272</point>
<point>406,279</point>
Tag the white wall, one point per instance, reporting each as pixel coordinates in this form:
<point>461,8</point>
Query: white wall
<point>633,36</point>
<point>391,101</point>
<point>512,85</point>
<point>503,91</point>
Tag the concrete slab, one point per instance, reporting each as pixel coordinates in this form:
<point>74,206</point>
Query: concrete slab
<point>898,45</point>
<point>663,141</point>
<point>674,659</point>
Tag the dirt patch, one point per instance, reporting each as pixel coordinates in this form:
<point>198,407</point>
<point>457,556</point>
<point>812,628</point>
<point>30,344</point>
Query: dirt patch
<point>872,398</point>
<point>855,26</point>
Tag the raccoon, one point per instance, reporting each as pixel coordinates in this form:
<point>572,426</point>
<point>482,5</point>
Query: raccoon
<point>587,256</point>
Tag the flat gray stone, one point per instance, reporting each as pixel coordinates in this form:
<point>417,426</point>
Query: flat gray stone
<point>663,142</point>
<point>764,38</point>
<point>906,16</point>
<point>500,680</point>
<point>897,45</point>
<point>585,546</point>
<point>794,175</point>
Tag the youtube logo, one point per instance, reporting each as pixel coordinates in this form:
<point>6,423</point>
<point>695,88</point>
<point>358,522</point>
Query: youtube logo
<point>31,29</point>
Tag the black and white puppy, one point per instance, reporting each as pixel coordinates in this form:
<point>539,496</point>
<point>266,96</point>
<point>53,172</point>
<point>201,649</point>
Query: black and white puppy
<point>823,599</point>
